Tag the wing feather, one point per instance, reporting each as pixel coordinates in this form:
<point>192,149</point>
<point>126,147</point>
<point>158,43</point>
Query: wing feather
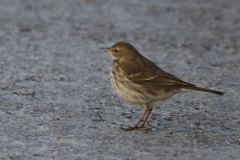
<point>146,73</point>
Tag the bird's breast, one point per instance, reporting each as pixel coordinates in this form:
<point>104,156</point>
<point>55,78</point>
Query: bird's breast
<point>130,91</point>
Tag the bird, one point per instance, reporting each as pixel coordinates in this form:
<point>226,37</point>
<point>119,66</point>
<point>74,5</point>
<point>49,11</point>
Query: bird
<point>140,82</point>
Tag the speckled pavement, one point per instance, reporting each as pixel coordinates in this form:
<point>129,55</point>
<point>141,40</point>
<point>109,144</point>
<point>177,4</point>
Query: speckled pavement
<point>56,100</point>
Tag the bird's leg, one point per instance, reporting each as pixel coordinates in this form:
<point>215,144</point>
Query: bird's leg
<point>141,118</point>
<point>142,126</point>
<point>136,126</point>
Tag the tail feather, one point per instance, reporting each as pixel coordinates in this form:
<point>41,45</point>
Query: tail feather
<point>190,88</point>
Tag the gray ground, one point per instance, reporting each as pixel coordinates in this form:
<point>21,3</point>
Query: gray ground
<point>56,100</point>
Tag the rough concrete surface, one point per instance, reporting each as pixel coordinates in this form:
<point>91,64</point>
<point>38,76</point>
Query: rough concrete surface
<point>56,100</point>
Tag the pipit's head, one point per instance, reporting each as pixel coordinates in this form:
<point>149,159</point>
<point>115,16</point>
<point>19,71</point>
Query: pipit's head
<point>122,50</point>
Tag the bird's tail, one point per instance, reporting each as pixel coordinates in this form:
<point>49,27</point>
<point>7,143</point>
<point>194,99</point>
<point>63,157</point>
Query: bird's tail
<point>198,89</point>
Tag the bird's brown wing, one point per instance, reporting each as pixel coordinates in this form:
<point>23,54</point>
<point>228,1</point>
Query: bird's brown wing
<point>146,72</point>
<point>165,79</point>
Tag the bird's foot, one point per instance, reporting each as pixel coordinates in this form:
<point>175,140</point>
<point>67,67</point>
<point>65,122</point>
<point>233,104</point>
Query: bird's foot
<point>144,127</point>
<point>129,128</point>
<point>135,127</point>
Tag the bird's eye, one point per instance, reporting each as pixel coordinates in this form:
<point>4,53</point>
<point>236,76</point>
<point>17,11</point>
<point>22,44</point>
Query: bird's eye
<point>115,50</point>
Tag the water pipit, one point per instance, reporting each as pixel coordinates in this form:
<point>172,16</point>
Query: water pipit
<point>140,82</point>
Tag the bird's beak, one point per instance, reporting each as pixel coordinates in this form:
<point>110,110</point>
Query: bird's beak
<point>106,49</point>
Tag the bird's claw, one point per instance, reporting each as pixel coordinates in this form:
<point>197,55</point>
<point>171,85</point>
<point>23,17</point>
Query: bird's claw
<point>145,127</point>
<point>134,128</point>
